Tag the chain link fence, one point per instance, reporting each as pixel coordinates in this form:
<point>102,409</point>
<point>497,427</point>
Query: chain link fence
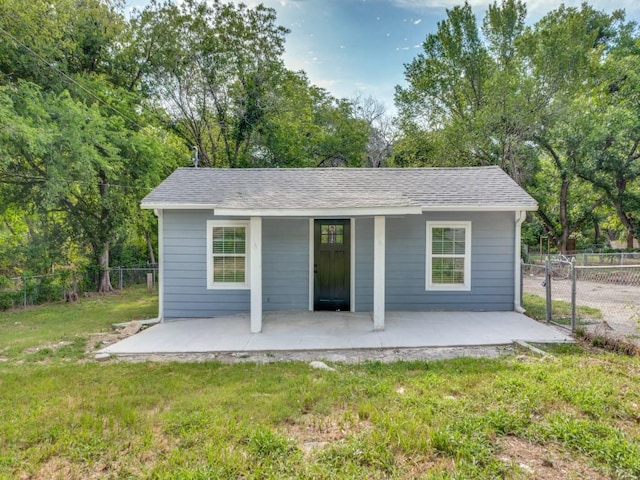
<point>591,258</point>
<point>602,298</point>
<point>36,289</point>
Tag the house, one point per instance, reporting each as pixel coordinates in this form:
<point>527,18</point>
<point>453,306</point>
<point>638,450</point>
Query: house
<point>361,240</point>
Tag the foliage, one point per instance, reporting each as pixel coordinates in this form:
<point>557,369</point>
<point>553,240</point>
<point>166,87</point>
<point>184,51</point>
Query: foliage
<point>555,105</point>
<point>97,107</point>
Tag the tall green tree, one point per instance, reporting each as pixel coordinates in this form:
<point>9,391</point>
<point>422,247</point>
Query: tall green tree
<point>565,52</point>
<point>551,104</point>
<point>607,132</point>
<point>213,68</point>
<point>73,145</point>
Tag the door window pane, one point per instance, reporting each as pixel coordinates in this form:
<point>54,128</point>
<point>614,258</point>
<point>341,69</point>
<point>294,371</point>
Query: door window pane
<point>330,233</point>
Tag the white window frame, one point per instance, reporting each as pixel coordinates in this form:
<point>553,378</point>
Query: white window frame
<point>466,286</point>
<point>211,285</point>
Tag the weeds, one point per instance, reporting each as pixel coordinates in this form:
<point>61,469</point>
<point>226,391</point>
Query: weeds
<point>609,342</point>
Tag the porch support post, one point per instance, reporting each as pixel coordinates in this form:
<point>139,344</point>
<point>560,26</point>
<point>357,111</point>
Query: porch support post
<point>160,214</point>
<point>255,281</point>
<point>378,272</point>
<point>521,215</point>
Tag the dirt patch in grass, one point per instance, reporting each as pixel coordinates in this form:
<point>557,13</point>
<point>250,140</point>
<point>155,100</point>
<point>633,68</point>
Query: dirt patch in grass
<point>49,346</point>
<point>313,432</point>
<point>544,462</point>
<point>55,468</point>
<point>412,467</point>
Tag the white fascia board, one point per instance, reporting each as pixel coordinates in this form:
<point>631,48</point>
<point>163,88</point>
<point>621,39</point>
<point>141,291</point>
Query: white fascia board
<point>479,208</point>
<point>319,212</point>
<point>177,206</point>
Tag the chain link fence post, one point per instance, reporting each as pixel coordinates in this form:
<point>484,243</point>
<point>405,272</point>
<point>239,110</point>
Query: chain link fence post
<point>24,287</point>
<point>547,280</point>
<point>573,295</point>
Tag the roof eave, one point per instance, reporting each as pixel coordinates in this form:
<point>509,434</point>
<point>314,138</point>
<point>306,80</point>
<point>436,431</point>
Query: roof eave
<point>479,208</point>
<point>319,212</point>
<point>176,206</point>
<point>334,211</point>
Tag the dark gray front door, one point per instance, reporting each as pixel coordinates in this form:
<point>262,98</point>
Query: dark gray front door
<point>332,265</point>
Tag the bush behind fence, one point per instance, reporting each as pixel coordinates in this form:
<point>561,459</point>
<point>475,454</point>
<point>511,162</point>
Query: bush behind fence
<point>37,289</point>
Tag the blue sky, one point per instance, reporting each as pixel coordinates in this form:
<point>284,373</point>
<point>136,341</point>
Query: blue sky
<point>361,46</point>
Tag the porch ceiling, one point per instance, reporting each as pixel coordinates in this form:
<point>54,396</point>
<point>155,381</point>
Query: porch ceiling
<point>337,330</point>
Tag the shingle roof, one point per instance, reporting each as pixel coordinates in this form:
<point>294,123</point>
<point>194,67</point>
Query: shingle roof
<point>309,188</point>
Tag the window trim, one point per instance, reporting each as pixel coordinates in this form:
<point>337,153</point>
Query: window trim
<point>466,286</point>
<point>211,285</point>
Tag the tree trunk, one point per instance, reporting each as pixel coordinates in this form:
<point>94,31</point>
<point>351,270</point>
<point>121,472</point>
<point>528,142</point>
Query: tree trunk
<point>627,221</point>
<point>630,238</point>
<point>152,257</point>
<point>104,285</point>
<point>564,224</point>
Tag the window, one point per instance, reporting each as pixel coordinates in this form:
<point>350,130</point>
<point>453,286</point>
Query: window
<point>227,254</point>
<point>448,256</point>
<point>332,234</point>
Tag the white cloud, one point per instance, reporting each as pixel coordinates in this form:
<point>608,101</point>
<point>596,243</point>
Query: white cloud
<point>416,22</point>
<point>325,83</point>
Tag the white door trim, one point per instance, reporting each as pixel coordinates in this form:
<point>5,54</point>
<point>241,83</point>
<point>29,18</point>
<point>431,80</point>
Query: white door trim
<point>352,260</point>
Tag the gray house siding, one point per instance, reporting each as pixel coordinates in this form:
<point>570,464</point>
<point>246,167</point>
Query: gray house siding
<point>364,264</point>
<point>492,267</point>
<point>285,264</point>
<point>185,270</point>
<point>285,268</point>
<point>285,255</point>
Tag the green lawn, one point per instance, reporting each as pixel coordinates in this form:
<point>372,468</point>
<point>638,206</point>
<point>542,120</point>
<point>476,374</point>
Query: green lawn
<point>574,416</point>
<point>536,307</point>
<point>21,328</point>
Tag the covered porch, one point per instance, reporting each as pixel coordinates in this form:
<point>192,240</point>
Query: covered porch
<point>337,330</point>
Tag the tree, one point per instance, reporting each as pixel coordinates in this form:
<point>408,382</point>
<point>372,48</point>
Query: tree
<point>608,129</point>
<point>382,133</point>
<point>568,127</point>
<point>213,69</point>
<point>533,101</point>
<point>74,149</point>
<point>470,97</point>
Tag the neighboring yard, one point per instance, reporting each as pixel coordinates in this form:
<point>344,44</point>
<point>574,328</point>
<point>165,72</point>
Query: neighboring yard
<point>63,415</point>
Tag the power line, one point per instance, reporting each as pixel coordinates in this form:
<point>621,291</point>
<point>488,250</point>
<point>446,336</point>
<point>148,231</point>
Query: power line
<point>70,181</point>
<point>69,78</point>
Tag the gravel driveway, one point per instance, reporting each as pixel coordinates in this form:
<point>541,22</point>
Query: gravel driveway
<point>619,304</point>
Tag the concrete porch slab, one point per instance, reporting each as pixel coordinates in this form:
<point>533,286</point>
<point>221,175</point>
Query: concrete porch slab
<point>336,330</point>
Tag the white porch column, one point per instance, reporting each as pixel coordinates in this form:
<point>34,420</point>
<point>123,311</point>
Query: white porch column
<point>160,214</point>
<point>378,272</point>
<point>255,281</point>
<point>517,271</point>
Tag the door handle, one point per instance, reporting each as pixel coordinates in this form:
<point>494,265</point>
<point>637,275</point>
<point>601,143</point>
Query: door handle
<point>315,268</point>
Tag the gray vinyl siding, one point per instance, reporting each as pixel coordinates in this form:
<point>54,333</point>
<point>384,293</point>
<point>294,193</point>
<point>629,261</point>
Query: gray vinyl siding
<point>285,254</point>
<point>185,270</point>
<point>492,264</point>
<point>285,264</point>
<point>364,264</point>
<point>285,268</point>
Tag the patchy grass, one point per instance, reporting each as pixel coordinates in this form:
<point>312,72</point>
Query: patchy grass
<point>574,416</point>
<point>465,418</point>
<point>55,326</point>
<point>536,307</point>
